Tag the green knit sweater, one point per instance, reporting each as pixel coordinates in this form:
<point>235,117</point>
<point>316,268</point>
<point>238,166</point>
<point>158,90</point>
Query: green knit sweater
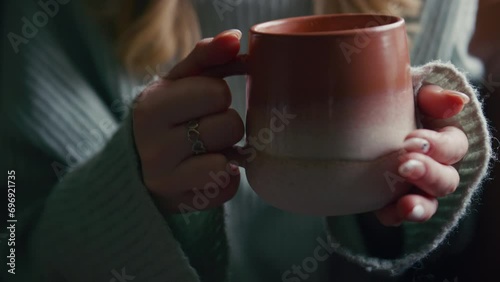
<point>82,211</point>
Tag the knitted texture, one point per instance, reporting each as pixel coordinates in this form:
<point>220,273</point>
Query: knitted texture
<point>83,211</point>
<point>100,220</point>
<point>420,239</point>
<point>193,231</point>
<point>63,96</point>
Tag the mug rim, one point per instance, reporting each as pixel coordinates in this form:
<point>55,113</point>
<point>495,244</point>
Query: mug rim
<point>259,29</point>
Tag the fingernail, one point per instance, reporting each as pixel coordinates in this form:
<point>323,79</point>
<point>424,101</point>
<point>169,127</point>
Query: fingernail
<point>412,169</point>
<point>417,145</point>
<point>234,32</point>
<point>460,95</point>
<point>417,214</point>
<point>206,40</point>
<point>234,168</point>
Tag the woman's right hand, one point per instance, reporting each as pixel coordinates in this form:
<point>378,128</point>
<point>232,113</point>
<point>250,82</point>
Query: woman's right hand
<point>178,179</point>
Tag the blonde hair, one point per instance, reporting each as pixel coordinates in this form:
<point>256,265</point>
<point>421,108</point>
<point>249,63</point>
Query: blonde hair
<point>147,33</point>
<point>401,8</point>
<point>150,33</point>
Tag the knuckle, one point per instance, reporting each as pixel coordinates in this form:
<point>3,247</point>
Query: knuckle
<point>446,187</point>
<point>153,87</point>
<point>440,188</point>
<point>436,186</point>
<point>444,141</point>
<point>222,93</point>
<point>456,142</point>
<point>143,104</point>
<point>217,91</point>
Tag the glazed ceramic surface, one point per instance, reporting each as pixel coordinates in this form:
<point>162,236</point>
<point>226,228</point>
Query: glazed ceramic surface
<point>330,102</point>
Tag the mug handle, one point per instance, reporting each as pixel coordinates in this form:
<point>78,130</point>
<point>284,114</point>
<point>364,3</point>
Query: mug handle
<point>237,66</point>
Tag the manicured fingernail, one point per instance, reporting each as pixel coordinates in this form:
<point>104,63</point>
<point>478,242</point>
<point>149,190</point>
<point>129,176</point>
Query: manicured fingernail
<point>412,169</point>
<point>234,32</point>
<point>207,40</point>
<point>461,95</point>
<point>417,214</point>
<point>417,145</point>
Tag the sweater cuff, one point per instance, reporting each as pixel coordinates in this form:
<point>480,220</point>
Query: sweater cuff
<point>420,239</point>
<point>203,239</point>
<point>100,224</point>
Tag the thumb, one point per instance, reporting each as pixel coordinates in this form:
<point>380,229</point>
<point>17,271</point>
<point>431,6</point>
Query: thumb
<point>209,52</point>
<point>436,103</point>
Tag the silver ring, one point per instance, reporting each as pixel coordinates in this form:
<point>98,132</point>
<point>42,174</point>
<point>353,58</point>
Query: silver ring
<point>193,136</point>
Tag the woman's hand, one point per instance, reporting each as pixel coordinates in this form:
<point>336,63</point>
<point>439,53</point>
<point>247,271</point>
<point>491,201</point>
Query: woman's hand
<point>181,181</point>
<point>178,179</point>
<point>429,158</point>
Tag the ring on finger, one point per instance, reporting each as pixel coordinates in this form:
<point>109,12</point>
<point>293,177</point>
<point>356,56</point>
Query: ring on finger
<point>193,136</point>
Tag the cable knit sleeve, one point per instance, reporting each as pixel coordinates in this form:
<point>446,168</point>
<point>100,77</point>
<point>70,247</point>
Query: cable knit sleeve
<point>83,212</point>
<point>100,220</point>
<point>421,239</point>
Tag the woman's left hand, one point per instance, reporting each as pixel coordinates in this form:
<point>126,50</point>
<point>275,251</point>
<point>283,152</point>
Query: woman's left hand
<point>429,157</point>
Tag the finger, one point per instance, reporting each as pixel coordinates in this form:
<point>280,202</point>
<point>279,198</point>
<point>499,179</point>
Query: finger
<point>388,215</point>
<point>209,52</point>
<point>447,145</point>
<point>217,183</point>
<point>431,177</point>
<point>217,132</point>
<point>168,104</point>
<point>436,103</point>
<point>194,97</point>
<point>411,207</point>
<point>417,208</point>
<point>201,182</point>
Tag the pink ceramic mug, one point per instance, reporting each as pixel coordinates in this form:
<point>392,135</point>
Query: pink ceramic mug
<point>330,102</point>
